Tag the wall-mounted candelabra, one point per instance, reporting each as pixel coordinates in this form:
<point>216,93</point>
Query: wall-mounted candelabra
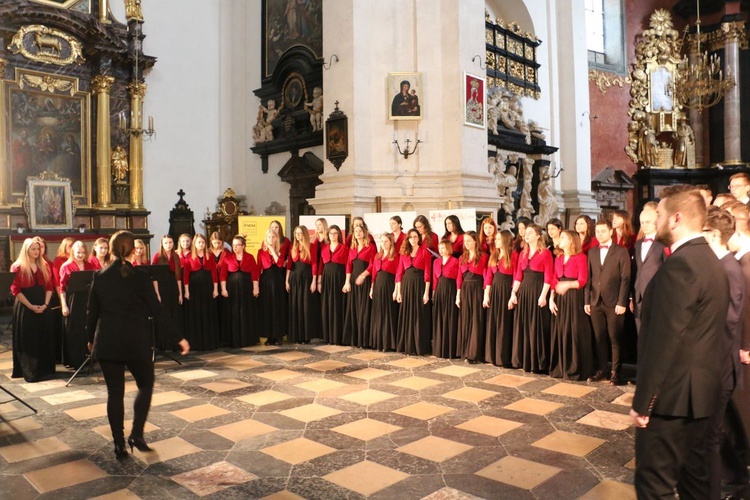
<point>133,128</point>
<point>405,152</point>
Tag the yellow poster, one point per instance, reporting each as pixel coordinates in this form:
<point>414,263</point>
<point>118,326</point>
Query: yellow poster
<point>254,228</point>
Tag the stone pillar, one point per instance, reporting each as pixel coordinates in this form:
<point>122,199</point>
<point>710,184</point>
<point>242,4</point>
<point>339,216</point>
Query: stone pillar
<point>695,116</point>
<point>733,32</point>
<point>137,93</point>
<point>4,168</point>
<point>101,86</point>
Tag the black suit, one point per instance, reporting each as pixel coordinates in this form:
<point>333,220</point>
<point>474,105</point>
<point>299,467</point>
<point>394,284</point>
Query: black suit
<point>679,371</point>
<point>608,286</point>
<point>644,272</point>
<point>118,325</point>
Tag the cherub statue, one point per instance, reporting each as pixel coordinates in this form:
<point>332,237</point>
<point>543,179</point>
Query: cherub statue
<point>263,129</point>
<point>119,164</point>
<point>508,225</point>
<point>493,112</point>
<point>316,109</point>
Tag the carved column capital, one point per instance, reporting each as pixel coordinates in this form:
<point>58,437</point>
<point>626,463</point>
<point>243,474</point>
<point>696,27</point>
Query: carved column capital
<point>102,84</point>
<point>735,31</point>
<point>137,89</point>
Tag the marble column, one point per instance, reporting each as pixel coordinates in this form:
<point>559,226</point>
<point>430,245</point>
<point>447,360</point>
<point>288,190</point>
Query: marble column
<point>137,93</point>
<point>101,86</point>
<point>4,168</point>
<point>695,116</point>
<point>732,31</point>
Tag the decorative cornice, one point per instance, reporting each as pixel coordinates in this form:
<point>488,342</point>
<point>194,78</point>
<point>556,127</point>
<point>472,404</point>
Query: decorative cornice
<point>605,80</point>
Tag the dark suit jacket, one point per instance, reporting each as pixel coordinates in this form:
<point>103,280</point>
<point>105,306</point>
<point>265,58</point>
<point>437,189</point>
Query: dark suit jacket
<point>611,281</point>
<point>730,341</point>
<point>684,315</point>
<point>645,270</point>
<point>118,311</point>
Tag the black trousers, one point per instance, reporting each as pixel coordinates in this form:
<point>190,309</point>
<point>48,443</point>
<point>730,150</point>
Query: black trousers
<point>114,377</point>
<point>669,454</point>
<point>607,324</point>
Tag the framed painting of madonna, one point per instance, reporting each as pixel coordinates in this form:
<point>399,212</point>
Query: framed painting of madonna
<point>47,131</point>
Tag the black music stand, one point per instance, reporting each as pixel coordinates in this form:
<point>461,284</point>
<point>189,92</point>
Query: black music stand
<point>161,274</point>
<point>6,280</point>
<point>80,281</point>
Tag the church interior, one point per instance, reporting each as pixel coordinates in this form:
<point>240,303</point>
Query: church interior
<point>166,117</point>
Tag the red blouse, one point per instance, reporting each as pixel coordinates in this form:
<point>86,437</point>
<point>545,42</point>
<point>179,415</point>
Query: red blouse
<point>95,262</point>
<point>230,265</point>
<point>449,270</point>
<point>312,259</point>
<point>265,261</point>
<point>480,268</point>
<point>56,265</point>
<point>540,262</point>
<point>339,255</point>
<point>458,246</point>
<point>592,243</point>
<point>69,268</point>
<point>20,281</point>
<point>379,264</point>
<point>183,258</point>
<point>367,254</point>
<point>194,264</point>
<point>225,254</point>
<point>431,241</point>
<point>174,264</point>
<point>400,241</point>
<point>489,274</point>
<point>423,261</point>
<point>576,268</point>
<point>285,245</point>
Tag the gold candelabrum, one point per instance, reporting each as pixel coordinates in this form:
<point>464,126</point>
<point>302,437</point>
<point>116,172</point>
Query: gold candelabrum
<point>134,127</point>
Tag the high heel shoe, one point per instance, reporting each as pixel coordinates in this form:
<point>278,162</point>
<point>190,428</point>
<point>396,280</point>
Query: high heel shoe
<point>120,451</point>
<point>138,442</point>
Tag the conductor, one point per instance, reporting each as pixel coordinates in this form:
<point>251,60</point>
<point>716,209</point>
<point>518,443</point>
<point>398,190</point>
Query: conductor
<point>120,302</point>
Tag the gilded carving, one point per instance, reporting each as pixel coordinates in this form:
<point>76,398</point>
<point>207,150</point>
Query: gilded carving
<point>605,80</point>
<point>47,83</point>
<point>729,32</point>
<point>133,10</point>
<point>39,43</point>
<point>119,164</point>
<point>137,89</point>
<point>102,84</point>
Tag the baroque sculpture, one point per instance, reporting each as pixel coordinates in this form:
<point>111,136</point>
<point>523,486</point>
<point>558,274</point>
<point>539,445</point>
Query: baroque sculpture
<point>119,164</point>
<point>263,130</point>
<point>315,108</point>
<point>505,107</point>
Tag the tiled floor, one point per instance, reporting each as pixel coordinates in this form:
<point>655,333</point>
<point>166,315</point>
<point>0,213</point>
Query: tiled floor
<point>323,422</point>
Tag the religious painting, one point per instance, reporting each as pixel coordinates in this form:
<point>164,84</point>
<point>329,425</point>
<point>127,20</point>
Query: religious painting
<point>474,99</point>
<point>47,132</point>
<point>661,90</point>
<point>404,94</point>
<point>290,24</point>
<point>50,204</point>
<point>337,139</point>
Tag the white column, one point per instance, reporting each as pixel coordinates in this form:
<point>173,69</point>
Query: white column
<point>732,132</point>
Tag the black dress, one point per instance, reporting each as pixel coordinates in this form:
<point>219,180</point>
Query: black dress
<point>304,305</point>
<point>201,314</point>
<point>498,347</point>
<point>531,328</point>
<point>414,318</point>
<point>170,300</point>
<point>75,338</point>
<point>274,303</point>
<point>333,302</point>
<point>33,337</point>
<point>472,322</point>
<point>240,311</point>
<point>384,315</point>
<point>445,319</point>
<point>358,309</point>
<point>572,352</point>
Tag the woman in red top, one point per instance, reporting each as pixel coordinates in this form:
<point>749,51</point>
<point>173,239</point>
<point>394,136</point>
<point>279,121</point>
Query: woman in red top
<point>99,257</point>
<point>201,282</point>
<point>169,289</point>
<point>239,275</point>
<point>54,303</point>
<point>472,321</point>
<point>284,243</point>
<point>531,283</point>
<point>572,355</point>
<point>359,305</point>
<point>584,227</point>
<point>273,297</point>
<point>140,254</point>
<point>74,307</point>
<point>218,253</point>
<point>302,285</point>
<point>413,293</point>
<point>455,233</point>
<point>33,336</point>
<point>384,315</point>
<point>498,283</point>
<point>520,243</point>
<point>331,284</point>
<point>63,254</point>
<point>427,238</point>
<point>184,251</point>
<point>487,232</point>
<point>623,233</point>
<point>444,309</point>
<point>358,222</point>
<point>397,231</point>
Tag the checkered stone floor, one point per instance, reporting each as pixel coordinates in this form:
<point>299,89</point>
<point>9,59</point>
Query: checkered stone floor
<point>323,422</point>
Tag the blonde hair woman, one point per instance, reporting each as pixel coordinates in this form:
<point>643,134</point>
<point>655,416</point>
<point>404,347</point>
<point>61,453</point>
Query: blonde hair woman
<point>273,295</point>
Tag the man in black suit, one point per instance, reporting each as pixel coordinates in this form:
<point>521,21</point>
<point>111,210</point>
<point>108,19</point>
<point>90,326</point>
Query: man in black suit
<point>606,298</point>
<point>649,256</point>
<point>719,227</point>
<point>679,365</point>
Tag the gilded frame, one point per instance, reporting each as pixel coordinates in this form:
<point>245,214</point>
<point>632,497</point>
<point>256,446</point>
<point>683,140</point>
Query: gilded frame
<point>48,129</point>
<point>50,204</point>
<point>474,106</point>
